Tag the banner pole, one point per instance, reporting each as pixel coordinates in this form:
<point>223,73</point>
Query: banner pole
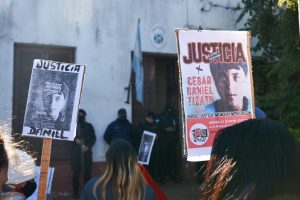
<point>45,161</point>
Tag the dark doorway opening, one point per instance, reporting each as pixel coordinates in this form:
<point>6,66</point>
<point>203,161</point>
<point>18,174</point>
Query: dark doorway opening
<point>161,86</point>
<point>161,89</point>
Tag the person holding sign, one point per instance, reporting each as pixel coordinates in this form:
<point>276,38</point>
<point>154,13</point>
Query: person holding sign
<point>122,178</point>
<point>152,126</point>
<point>230,80</point>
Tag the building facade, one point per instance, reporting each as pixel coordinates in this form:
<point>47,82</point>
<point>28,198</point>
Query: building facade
<point>100,34</point>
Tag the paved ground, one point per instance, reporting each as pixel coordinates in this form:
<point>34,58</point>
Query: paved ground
<point>181,191</point>
<point>173,190</point>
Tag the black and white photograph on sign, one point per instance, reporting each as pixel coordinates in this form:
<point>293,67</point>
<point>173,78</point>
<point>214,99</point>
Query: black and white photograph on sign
<point>146,146</point>
<point>53,100</point>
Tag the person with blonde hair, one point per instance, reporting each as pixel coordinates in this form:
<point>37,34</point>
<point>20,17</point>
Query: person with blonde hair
<point>17,168</point>
<point>122,178</point>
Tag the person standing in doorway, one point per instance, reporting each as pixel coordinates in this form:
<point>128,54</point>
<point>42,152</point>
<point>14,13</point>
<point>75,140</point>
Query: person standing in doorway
<point>169,143</point>
<point>81,154</point>
<point>150,124</point>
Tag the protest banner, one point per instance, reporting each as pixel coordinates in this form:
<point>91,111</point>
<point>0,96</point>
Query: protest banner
<point>215,84</point>
<point>52,107</point>
<point>146,146</point>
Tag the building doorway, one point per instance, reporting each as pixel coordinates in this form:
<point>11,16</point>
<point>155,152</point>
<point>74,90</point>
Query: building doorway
<point>161,89</point>
<point>24,54</point>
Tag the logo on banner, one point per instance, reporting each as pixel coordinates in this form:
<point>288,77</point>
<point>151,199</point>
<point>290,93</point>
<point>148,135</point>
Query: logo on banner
<point>199,134</point>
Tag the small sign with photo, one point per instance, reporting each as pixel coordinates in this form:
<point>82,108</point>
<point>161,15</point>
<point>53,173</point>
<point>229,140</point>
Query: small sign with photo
<point>146,146</point>
<point>53,100</point>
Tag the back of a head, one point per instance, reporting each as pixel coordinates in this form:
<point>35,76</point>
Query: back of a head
<point>122,172</point>
<point>261,154</point>
<point>3,154</point>
<point>7,151</point>
<point>120,154</point>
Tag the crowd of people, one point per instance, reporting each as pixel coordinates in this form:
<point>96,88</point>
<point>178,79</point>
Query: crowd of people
<point>163,161</point>
<point>255,159</point>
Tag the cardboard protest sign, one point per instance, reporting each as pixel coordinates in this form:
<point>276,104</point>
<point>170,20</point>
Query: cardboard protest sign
<point>34,196</point>
<point>216,85</point>
<point>53,100</point>
<point>146,146</point>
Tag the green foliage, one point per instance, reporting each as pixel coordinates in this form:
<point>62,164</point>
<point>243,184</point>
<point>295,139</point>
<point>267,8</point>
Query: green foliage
<point>277,68</point>
<point>296,132</point>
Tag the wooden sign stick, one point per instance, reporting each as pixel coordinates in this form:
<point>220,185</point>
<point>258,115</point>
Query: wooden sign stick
<point>45,161</point>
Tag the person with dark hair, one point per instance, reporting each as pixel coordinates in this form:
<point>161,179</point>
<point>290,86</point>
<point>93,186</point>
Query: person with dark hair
<point>122,178</point>
<point>81,151</point>
<point>3,163</point>
<point>150,124</point>
<point>21,174</point>
<point>256,159</point>
<point>169,144</point>
<point>20,167</point>
<point>121,128</point>
<point>230,80</point>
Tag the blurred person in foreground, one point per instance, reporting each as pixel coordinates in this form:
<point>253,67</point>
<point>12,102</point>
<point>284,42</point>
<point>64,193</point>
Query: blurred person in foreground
<point>17,169</point>
<point>122,178</point>
<point>254,160</point>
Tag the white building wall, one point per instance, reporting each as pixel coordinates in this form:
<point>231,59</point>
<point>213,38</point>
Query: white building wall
<point>103,32</point>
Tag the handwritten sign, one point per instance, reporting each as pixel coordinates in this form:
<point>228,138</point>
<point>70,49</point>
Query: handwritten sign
<point>53,100</point>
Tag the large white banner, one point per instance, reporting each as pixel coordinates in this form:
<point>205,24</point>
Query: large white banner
<point>53,100</point>
<point>216,85</point>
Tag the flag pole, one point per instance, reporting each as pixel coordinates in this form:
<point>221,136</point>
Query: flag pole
<point>128,88</point>
<point>136,67</point>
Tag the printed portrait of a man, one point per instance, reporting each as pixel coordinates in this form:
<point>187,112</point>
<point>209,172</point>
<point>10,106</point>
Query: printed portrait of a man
<point>231,81</point>
<point>51,100</point>
<point>55,95</point>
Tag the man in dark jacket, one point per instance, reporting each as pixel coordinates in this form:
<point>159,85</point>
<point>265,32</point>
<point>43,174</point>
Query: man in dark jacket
<point>169,143</point>
<point>121,128</point>
<point>81,154</point>
<point>150,124</point>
